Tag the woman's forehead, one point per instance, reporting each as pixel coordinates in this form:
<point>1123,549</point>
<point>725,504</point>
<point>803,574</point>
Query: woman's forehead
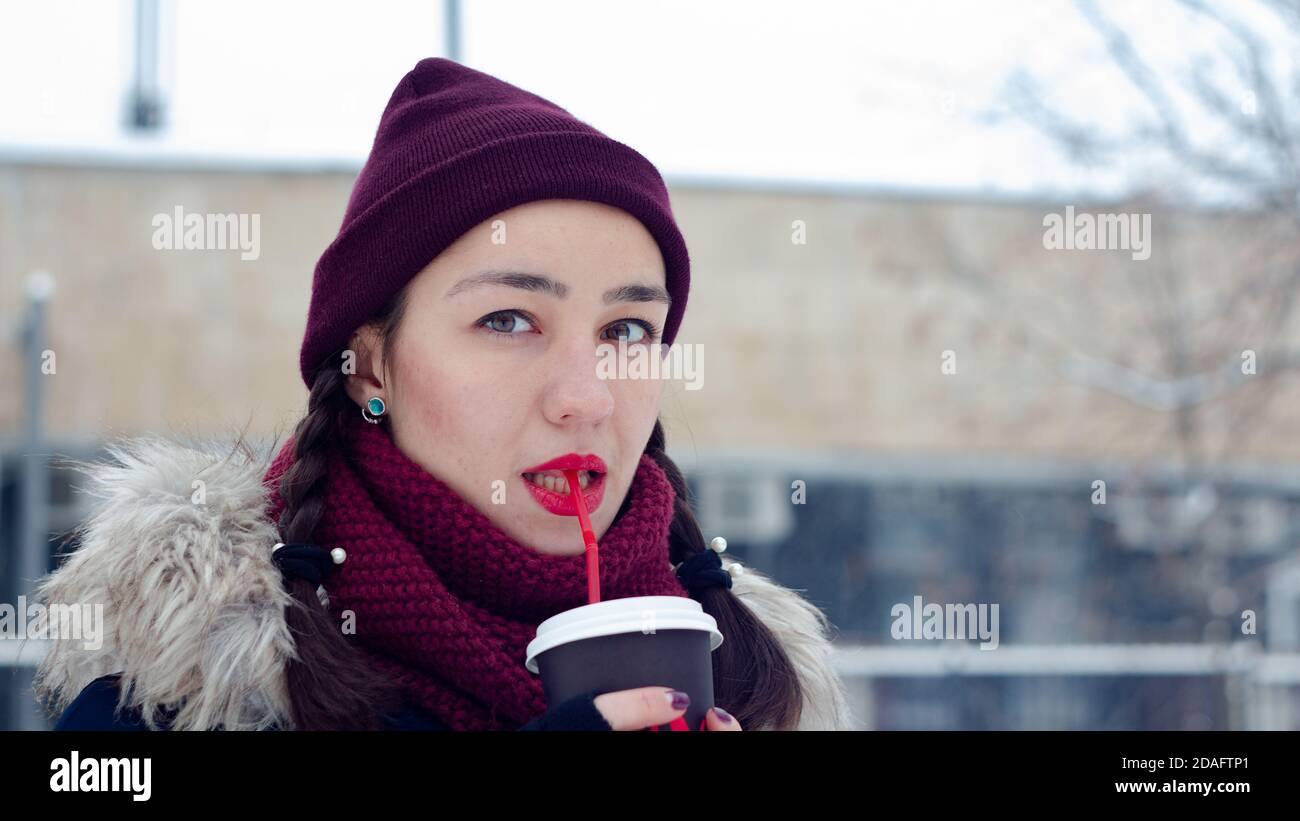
<point>637,289</point>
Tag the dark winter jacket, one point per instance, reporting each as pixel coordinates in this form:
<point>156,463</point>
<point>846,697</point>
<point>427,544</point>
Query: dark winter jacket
<point>95,708</point>
<point>177,550</point>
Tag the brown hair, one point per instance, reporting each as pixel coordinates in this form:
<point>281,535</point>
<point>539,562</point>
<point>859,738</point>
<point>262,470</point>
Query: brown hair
<point>331,688</point>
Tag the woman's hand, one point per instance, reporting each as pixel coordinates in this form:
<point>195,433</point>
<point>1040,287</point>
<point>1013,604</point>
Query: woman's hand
<point>715,721</point>
<point>644,707</point>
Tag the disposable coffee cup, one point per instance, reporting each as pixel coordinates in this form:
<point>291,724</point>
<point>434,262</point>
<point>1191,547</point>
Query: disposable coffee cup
<point>623,644</point>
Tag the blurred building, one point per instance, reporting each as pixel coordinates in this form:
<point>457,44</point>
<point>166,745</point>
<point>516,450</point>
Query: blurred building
<point>904,394</point>
<point>824,364</point>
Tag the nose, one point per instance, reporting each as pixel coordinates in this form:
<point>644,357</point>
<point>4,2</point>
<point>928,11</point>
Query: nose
<point>575,392</point>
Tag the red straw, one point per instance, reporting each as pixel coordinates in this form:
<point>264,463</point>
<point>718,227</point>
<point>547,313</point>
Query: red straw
<point>588,536</point>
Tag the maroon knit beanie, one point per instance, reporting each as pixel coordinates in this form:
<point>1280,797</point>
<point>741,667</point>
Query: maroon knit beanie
<point>454,147</point>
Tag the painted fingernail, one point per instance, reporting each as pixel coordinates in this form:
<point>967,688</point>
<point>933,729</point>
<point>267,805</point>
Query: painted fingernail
<point>679,699</point>
<point>723,714</point>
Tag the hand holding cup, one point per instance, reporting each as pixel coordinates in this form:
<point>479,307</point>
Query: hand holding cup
<point>644,707</point>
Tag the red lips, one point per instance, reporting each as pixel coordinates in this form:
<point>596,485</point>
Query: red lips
<point>575,461</point>
<point>561,504</point>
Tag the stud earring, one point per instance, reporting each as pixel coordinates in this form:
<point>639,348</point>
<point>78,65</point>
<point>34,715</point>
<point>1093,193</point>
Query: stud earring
<point>373,409</point>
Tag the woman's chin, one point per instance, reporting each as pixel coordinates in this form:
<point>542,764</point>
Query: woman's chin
<point>557,537</point>
<point>560,547</point>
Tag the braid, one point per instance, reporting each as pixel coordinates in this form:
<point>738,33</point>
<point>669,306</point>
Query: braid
<point>753,678</point>
<point>301,483</point>
<point>330,685</point>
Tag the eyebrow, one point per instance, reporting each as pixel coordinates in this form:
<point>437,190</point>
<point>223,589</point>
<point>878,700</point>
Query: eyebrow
<point>540,283</point>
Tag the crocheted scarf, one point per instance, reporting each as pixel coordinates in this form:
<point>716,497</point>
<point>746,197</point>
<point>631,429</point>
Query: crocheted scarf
<point>444,602</point>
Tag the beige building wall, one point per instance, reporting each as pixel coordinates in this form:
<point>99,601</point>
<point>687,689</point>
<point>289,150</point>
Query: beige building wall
<point>833,344</point>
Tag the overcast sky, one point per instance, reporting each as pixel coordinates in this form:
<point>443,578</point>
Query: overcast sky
<point>866,93</point>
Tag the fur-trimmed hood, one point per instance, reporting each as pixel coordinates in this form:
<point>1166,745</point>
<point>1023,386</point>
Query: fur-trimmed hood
<point>177,549</point>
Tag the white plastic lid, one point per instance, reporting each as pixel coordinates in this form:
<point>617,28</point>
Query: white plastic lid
<point>635,614</point>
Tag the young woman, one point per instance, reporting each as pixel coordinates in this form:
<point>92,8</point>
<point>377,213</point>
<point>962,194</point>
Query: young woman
<point>492,245</point>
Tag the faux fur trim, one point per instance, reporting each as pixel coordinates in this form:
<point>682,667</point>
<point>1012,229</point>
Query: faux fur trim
<point>194,609</point>
<point>804,633</point>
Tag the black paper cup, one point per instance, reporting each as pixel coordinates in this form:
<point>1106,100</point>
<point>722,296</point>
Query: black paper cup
<point>622,644</point>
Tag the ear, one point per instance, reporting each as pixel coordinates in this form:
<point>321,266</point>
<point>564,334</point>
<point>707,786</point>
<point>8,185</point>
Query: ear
<point>361,363</point>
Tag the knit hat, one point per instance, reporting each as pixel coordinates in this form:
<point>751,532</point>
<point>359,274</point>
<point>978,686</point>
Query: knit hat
<point>454,147</point>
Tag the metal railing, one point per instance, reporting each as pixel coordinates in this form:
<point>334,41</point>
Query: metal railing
<point>1257,682</point>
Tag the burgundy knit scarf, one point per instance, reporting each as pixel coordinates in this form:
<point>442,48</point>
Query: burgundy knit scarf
<point>445,603</point>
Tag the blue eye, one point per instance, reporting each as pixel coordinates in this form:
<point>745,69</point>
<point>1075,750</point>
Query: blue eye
<point>505,326</point>
<point>493,322</point>
<point>648,331</point>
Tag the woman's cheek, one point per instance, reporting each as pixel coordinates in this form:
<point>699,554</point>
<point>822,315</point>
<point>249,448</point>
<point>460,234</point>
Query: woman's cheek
<point>642,396</point>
